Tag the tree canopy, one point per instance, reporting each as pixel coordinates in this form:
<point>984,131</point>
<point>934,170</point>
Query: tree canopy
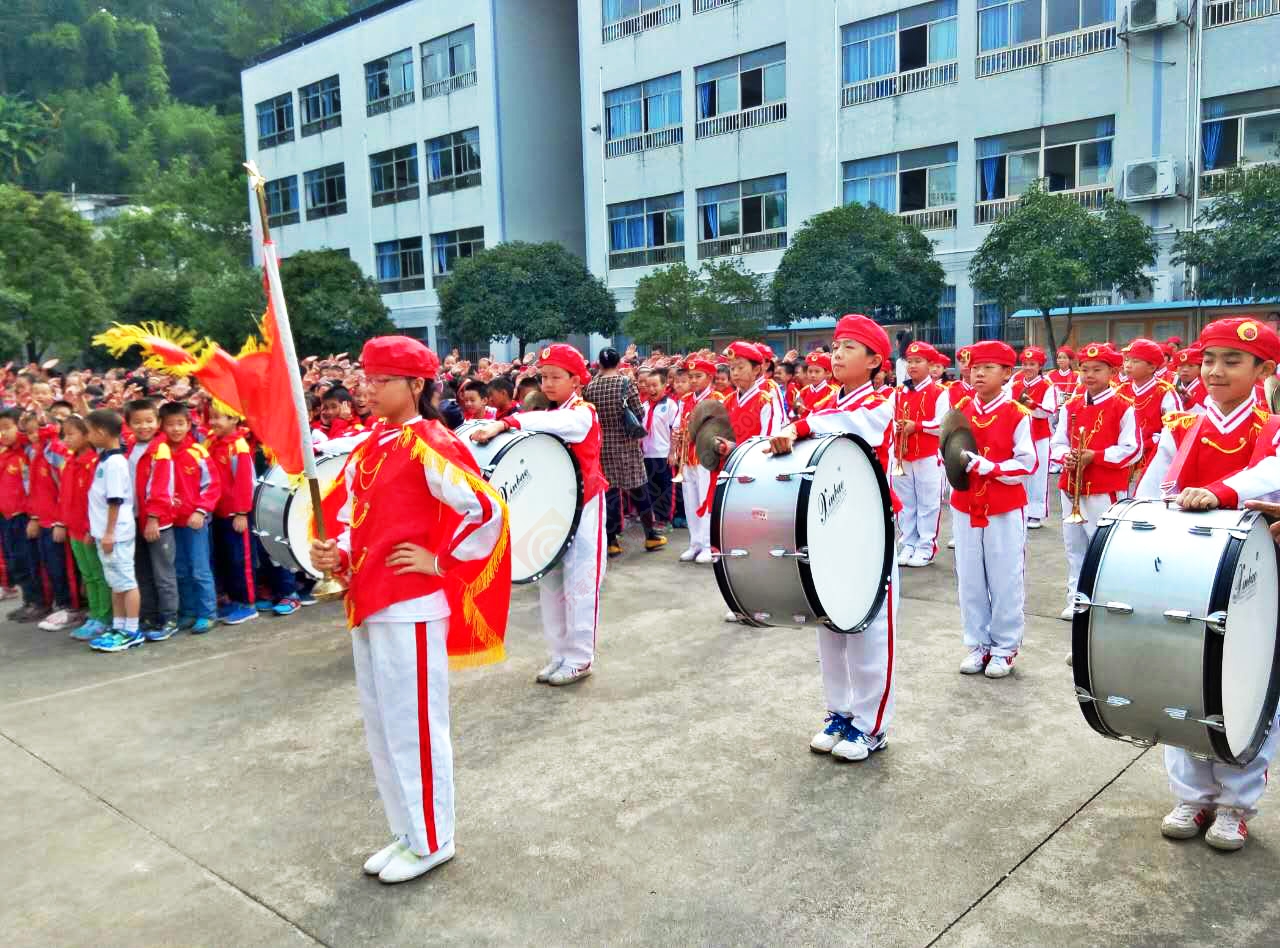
<point>682,307</point>
<point>524,291</point>
<point>1237,249</point>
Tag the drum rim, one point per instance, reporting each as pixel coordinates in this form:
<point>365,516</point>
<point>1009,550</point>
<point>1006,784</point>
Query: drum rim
<point>723,477</point>
<point>802,535</point>
<point>284,516</point>
<point>1082,621</point>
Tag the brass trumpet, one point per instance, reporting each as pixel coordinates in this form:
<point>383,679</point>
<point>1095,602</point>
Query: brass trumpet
<point>898,469</point>
<point>679,448</point>
<point>1077,474</point>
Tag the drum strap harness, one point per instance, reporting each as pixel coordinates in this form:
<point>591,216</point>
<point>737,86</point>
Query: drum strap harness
<point>1170,483</point>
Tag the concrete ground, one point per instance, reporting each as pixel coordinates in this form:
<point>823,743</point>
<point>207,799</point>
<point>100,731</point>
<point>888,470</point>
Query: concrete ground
<point>215,791</point>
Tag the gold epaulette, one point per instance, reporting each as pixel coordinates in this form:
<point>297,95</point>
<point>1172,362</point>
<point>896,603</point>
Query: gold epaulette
<point>163,453</point>
<point>1179,420</point>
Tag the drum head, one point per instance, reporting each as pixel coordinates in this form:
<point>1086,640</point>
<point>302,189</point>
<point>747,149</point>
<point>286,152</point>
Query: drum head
<point>538,478</point>
<point>298,530</point>
<point>844,519</point>
<point>1249,647</point>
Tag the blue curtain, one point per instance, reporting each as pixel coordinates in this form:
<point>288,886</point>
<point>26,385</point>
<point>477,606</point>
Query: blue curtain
<point>942,42</point>
<point>710,221</point>
<point>1211,135</point>
<point>1108,10</point>
<point>882,191</point>
<point>993,29</point>
<point>617,235</point>
<point>704,100</point>
<point>442,259</point>
<point>635,232</point>
<point>433,162</point>
<point>883,55</point>
<point>1104,159</point>
<point>612,10</point>
<point>388,265</point>
<point>990,169</point>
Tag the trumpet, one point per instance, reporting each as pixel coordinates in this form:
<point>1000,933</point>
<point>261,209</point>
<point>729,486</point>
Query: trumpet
<point>679,448</point>
<point>1077,475</point>
<point>898,469</point>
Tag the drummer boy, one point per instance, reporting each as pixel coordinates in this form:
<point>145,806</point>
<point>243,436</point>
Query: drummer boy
<point>1219,458</point>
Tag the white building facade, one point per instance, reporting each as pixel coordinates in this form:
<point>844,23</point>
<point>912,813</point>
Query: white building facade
<point>414,133</point>
<point>717,127</point>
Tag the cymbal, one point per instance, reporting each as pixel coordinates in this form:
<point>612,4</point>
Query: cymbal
<point>536,401</point>
<point>709,421</point>
<point>957,438</point>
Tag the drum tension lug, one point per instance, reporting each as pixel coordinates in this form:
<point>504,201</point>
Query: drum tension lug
<point>1139,524</point>
<point>802,555</point>
<point>717,554</point>
<point>1083,695</point>
<point>1118,701</point>
<point>1214,721</point>
<point>1200,530</point>
<point>745,479</point>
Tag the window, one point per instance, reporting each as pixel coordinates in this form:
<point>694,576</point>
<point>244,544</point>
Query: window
<point>646,232</point>
<point>877,52</point>
<point>448,247</point>
<point>394,175</point>
<point>742,82</point>
<point>743,218</point>
<point>275,121</point>
<point>942,334</point>
<point>453,161</point>
<point>321,106</point>
<point>326,191</point>
<point>1076,157</point>
<point>399,265</point>
<point>1240,129</point>
<point>282,201</point>
<point>626,17</point>
<point>389,82</point>
<point>645,115</point>
<point>1013,34</point>
<point>991,321</point>
<point>920,180</point>
<point>449,62</point>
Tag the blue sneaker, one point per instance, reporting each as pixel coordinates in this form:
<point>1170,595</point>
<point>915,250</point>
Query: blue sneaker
<point>202,625</point>
<point>185,623</point>
<point>305,598</point>
<point>264,605</point>
<point>89,631</point>
<point>116,640</point>
<point>158,633</point>
<point>236,614</point>
<point>832,734</point>
<point>225,609</point>
<point>679,523</point>
<point>286,607</point>
<point>857,745</point>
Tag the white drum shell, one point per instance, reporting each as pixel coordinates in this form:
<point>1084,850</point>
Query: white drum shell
<point>282,515</point>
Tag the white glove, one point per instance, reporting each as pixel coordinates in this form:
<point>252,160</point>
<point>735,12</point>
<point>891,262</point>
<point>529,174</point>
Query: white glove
<point>979,464</point>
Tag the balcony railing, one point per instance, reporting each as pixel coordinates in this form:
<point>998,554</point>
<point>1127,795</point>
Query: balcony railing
<point>322,125</point>
<point>406,285</point>
<point>457,182</point>
<point>647,20</point>
<point>702,6</point>
<point>988,212</point>
<point>1007,60</point>
<point>279,138</point>
<point>463,80</point>
<point>882,87</point>
<point>742,243</point>
<point>652,256</point>
<point>634,144</point>
<point>1093,39</point>
<point>1224,12</point>
<point>326,210</point>
<point>409,193</point>
<point>1091,199</point>
<point>933,218</point>
<point>1218,182</point>
<point>737,121</point>
<point>381,106</point>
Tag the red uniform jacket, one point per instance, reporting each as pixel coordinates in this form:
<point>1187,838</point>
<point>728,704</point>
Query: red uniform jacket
<point>747,409</point>
<point>688,402</point>
<point>587,451</point>
<point>14,470</point>
<point>1101,424</point>
<point>153,483</point>
<point>921,406</point>
<point>1193,395</point>
<point>816,398</point>
<point>1065,382</point>
<point>958,391</point>
<point>1148,413</point>
<point>233,460</point>
<point>1212,456</point>
<point>48,459</point>
<point>195,481</point>
<point>996,433</point>
<point>1036,389</point>
<point>73,506</point>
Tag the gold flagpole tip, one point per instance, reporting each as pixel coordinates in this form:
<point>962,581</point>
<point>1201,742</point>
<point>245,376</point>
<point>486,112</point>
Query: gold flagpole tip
<point>256,180</point>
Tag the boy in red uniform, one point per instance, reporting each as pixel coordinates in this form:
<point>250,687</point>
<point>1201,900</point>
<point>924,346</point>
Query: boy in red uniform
<point>962,387</point>
<point>502,397</point>
<point>48,456</point>
<point>1191,388</point>
<point>1096,438</point>
<point>1033,390</point>
<point>1210,460</point>
<point>570,593</point>
<point>233,559</point>
<point>14,468</point>
<point>988,519</point>
<point>753,407</point>
<point>819,393</point>
<point>1152,398</point>
<point>695,479</point>
<point>72,527</point>
<point>151,464</point>
<point>921,404</point>
<point>857,670</point>
<point>195,491</point>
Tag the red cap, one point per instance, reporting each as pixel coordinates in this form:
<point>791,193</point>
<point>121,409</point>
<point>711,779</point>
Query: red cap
<point>744,350</point>
<point>1101,352</point>
<point>1067,351</point>
<point>1034,354</point>
<point>1192,355</point>
<point>700,364</point>
<point>922,350</point>
<point>1174,341</point>
<point>398,355</point>
<point>822,359</point>
<point>962,355</point>
<point>766,350</point>
<point>566,357</point>
<point>1146,350</point>
<point>940,358</point>
<point>992,351</point>
<point>1244,333</point>
<point>867,331</point>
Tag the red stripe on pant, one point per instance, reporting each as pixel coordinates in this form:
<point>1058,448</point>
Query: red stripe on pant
<point>595,612</point>
<point>888,678</point>
<point>424,738</point>
<point>249,591</point>
<point>70,566</point>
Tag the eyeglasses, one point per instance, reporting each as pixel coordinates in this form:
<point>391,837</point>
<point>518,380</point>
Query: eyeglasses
<point>381,380</point>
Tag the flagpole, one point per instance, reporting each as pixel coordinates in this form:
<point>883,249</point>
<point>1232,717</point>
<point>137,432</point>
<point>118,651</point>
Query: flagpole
<point>327,587</point>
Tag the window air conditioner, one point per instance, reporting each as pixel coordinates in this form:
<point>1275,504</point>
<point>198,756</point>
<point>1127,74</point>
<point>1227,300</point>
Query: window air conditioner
<point>1149,179</point>
<point>1142,15</point>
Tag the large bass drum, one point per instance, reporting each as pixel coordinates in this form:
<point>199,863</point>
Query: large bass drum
<point>1174,639</point>
<point>539,478</point>
<point>282,513</point>
<point>805,537</point>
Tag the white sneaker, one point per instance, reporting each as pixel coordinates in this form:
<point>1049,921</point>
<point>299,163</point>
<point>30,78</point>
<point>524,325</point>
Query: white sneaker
<point>1067,614</point>
<point>405,864</point>
<point>689,555</point>
<point>975,661</point>
<point>732,617</point>
<point>378,861</point>
<point>57,621</point>
<point>1070,658</point>
<point>1186,820</point>
<point>831,735</point>
<point>704,558</point>
<point>860,748</point>
<point>1034,523</point>
<point>1000,666</point>
<point>548,670</point>
<point>951,544</point>
<point>567,674</point>
<point>904,555</point>
<point>1229,830</point>
<point>919,558</point>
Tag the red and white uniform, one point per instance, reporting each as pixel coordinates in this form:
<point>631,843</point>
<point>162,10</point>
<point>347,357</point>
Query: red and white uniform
<point>957,392</point>
<point>659,419</point>
<point>696,479</point>
<point>755,411</point>
<point>857,670</point>
<point>988,521</point>
<point>816,397</point>
<point>570,593</point>
<point>1105,424</point>
<point>1151,401</point>
<point>1044,405</point>
<point>1195,395</point>
<point>919,488</point>
<point>1065,381</point>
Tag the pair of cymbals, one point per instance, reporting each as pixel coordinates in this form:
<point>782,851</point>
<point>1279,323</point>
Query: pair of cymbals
<point>709,423</point>
<point>956,438</point>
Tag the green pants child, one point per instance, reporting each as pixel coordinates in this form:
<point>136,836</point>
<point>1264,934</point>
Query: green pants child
<point>95,584</point>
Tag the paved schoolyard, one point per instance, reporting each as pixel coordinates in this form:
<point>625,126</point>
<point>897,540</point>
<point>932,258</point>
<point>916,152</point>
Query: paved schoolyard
<point>215,791</point>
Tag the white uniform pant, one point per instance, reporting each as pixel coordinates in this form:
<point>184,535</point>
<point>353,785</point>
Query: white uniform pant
<point>696,480</point>
<point>1038,484</point>
<point>857,667</point>
<point>919,488</point>
<point>1217,784</point>
<point>990,570</point>
<point>1076,536</point>
<point>402,676</point>
<point>570,593</point>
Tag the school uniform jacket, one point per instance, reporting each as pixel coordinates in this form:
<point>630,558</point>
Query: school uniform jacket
<point>925,404</point>
<point>47,459</point>
<point>864,412</point>
<point>73,499</point>
<point>1044,402</point>
<point>817,397</point>
<point>233,460</point>
<point>576,424</point>
<point>14,470</point>
<point>1105,425</point>
<point>755,411</point>
<point>153,481</point>
<point>1151,402</point>
<point>688,402</point>
<point>195,482</point>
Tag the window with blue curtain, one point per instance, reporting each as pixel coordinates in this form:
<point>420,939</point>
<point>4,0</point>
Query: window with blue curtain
<point>665,219</point>
<point>626,226</point>
<point>387,255</point>
<point>440,251</point>
<point>946,330</point>
<point>1211,134</point>
<point>872,181</point>
<point>662,102</point>
<point>993,25</point>
<point>717,85</point>
<point>718,211</point>
<point>869,48</point>
<point>624,112</point>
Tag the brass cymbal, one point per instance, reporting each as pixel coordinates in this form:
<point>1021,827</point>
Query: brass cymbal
<point>709,421</point>
<point>535,401</point>
<point>957,438</point>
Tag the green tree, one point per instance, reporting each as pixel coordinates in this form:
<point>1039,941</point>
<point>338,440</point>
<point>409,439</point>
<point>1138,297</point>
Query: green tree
<point>524,291</point>
<point>333,306</point>
<point>1236,246</point>
<point>1049,252</point>
<point>683,307</point>
<point>857,258</point>
<point>25,130</point>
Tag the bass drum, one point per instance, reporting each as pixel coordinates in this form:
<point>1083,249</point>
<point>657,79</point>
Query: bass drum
<point>539,478</point>
<point>282,513</point>
<point>805,537</point>
<point>1175,637</point>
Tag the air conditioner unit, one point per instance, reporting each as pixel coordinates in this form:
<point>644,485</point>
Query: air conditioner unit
<point>1150,179</point>
<point>1142,15</point>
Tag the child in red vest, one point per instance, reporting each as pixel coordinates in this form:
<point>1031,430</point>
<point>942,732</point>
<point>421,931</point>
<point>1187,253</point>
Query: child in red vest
<point>48,456</point>
<point>1152,398</point>
<point>921,403</point>
<point>753,409</point>
<point>1032,388</point>
<point>819,393</point>
<point>195,491</point>
<point>989,518</point>
<point>232,539</point>
<point>73,526</point>
<point>695,479</point>
<point>1219,458</point>
<point>1190,387</point>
